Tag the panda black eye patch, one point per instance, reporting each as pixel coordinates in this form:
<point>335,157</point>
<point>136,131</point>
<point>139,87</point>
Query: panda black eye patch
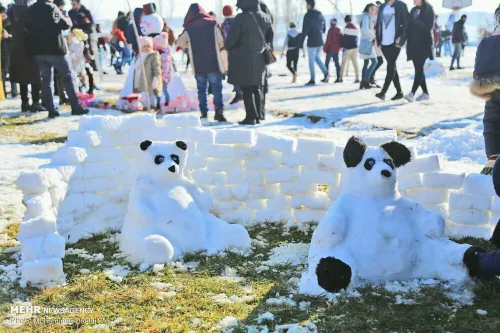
<point>175,158</point>
<point>159,159</point>
<point>389,163</point>
<point>369,163</point>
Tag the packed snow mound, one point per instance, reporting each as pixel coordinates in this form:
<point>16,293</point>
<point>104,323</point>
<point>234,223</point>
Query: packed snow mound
<point>434,68</point>
<point>373,233</point>
<point>167,215</point>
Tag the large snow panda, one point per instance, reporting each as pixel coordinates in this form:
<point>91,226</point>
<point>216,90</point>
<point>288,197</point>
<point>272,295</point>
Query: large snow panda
<point>373,233</point>
<point>167,215</point>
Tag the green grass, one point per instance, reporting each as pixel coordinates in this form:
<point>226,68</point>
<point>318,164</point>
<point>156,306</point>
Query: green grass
<point>193,308</point>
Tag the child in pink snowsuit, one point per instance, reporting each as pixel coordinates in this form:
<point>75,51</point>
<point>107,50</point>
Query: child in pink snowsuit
<point>167,66</point>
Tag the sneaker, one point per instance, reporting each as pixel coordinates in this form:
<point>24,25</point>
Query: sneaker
<point>311,83</point>
<point>452,68</point>
<point>326,79</point>
<point>398,96</point>
<point>460,67</point>
<point>374,84</point>
<point>53,115</point>
<point>381,96</point>
<point>79,112</point>
<point>410,97</point>
<point>37,107</point>
<point>423,97</point>
<point>236,99</point>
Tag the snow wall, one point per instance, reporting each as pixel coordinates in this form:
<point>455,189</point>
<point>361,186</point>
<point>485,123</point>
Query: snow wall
<point>253,178</point>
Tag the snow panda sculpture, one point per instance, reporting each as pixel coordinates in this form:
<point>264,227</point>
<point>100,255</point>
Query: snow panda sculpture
<point>372,233</point>
<point>167,215</point>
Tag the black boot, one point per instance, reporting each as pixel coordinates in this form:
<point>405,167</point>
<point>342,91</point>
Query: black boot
<point>398,96</point>
<point>381,95</point>
<point>79,111</point>
<point>373,83</point>
<point>248,122</point>
<point>25,106</point>
<point>471,260</point>
<point>204,116</point>
<point>37,107</point>
<point>219,116</point>
<point>339,80</point>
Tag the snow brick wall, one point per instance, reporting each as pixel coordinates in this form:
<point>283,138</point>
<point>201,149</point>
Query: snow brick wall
<point>253,177</point>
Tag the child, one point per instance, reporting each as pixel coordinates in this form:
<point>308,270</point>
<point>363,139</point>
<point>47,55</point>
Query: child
<point>332,47</point>
<point>152,67</point>
<point>350,46</point>
<point>162,46</point>
<point>292,47</point>
<point>122,53</point>
<point>76,48</point>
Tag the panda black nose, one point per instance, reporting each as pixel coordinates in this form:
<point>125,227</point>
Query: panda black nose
<point>386,173</point>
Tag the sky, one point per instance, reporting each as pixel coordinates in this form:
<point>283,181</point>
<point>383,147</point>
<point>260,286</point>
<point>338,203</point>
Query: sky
<point>107,9</point>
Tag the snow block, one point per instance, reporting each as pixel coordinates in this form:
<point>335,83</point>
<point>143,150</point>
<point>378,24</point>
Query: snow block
<point>378,138</point>
<point>269,162</point>
<point>69,156</point>
<point>53,245</point>
<point>318,200</point>
<point>319,177</point>
<point>281,175</point>
<point>448,181</point>
<point>204,135</point>
<point>45,224</point>
<point>42,271</point>
<point>107,154</point>
<point>297,188</point>
<point>276,142</point>
<point>469,216</point>
<point>240,192</point>
<point>256,204</point>
<point>242,216</point>
<point>300,159</point>
<point>222,193</point>
<point>334,192</point>
<point>222,207</point>
<point>421,165</point>
<point>409,182</point>
<point>57,194</point>
<point>72,203</point>
<point>469,201</point>
<point>308,215</point>
<point>495,219</point>
<point>316,146</point>
<point>196,162</point>
<point>208,177</point>
<point>137,122</point>
<point>83,139</point>
<point>278,202</point>
<point>479,184</point>
<point>273,215</point>
<point>158,134</point>
<point>36,182</point>
<point>460,231</point>
<point>338,163</point>
<point>100,123</point>
<point>245,177</point>
<point>31,248</point>
<point>215,151</point>
<point>440,209</point>
<point>235,137</point>
<point>495,204</point>
<point>264,192</point>
<point>38,205</point>
<point>429,196</point>
<point>221,164</point>
<point>181,120</point>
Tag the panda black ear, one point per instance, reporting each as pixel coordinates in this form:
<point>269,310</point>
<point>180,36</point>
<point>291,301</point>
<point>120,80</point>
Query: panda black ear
<point>353,152</point>
<point>145,145</point>
<point>182,145</point>
<point>399,153</point>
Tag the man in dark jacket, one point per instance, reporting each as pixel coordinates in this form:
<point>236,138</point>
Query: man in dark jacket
<point>130,35</point>
<point>81,17</point>
<point>458,39</point>
<point>228,13</point>
<point>391,20</point>
<point>313,28</point>
<point>45,23</point>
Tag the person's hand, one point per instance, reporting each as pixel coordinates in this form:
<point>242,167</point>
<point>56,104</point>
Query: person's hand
<point>5,34</point>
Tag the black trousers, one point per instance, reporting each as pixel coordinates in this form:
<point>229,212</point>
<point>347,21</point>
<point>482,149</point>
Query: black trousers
<point>252,97</point>
<point>491,132</point>
<point>379,64</point>
<point>419,80</point>
<point>35,93</point>
<point>292,58</point>
<point>391,54</point>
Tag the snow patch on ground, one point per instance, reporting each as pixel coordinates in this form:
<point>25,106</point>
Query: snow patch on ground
<point>117,273</point>
<point>292,254</point>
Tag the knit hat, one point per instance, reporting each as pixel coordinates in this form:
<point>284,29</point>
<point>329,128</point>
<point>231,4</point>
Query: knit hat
<point>348,19</point>
<point>497,14</point>
<point>311,2</point>
<point>119,35</point>
<point>227,11</point>
<point>143,41</point>
<point>293,25</point>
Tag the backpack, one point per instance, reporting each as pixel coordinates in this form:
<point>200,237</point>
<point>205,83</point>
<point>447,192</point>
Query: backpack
<point>294,42</point>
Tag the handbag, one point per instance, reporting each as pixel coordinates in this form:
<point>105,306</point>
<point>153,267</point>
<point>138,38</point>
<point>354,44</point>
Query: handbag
<point>365,47</point>
<point>269,57</point>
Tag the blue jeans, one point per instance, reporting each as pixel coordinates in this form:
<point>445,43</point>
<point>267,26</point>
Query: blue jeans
<point>314,57</point>
<point>368,71</point>
<point>457,52</point>
<point>165,92</point>
<point>215,80</point>
<point>447,47</point>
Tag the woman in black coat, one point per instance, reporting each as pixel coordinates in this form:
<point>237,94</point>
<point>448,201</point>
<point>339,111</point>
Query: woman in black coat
<point>418,32</point>
<point>246,59</point>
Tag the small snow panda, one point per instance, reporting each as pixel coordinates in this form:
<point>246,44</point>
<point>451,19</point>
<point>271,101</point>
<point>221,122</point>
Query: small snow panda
<point>167,215</point>
<point>373,233</point>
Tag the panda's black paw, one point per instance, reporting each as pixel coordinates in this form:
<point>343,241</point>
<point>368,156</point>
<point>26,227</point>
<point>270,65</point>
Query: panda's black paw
<point>471,260</point>
<point>333,274</point>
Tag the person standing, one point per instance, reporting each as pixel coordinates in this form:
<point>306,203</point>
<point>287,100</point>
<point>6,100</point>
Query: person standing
<point>228,13</point>
<point>418,32</point>
<point>249,33</point>
<point>391,21</point>
<point>438,41</point>
<point>332,47</point>
<point>6,38</point>
<point>313,28</point>
<point>292,47</point>
<point>44,23</point>
<point>24,69</point>
<point>486,85</point>
<point>130,34</point>
<point>366,49</point>
<point>202,36</point>
<point>458,39</point>
<point>350,46</point>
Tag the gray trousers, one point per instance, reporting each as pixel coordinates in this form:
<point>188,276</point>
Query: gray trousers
<point>59,62</point>
<point>491,123</point>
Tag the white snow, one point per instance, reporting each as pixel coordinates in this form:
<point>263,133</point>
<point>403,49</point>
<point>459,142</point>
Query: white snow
<point>292,254</point>
<point>117,273</point>
<point>267,316</point>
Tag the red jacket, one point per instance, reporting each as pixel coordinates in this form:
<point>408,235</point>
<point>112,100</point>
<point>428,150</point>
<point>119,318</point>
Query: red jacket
<point>333,40</point>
